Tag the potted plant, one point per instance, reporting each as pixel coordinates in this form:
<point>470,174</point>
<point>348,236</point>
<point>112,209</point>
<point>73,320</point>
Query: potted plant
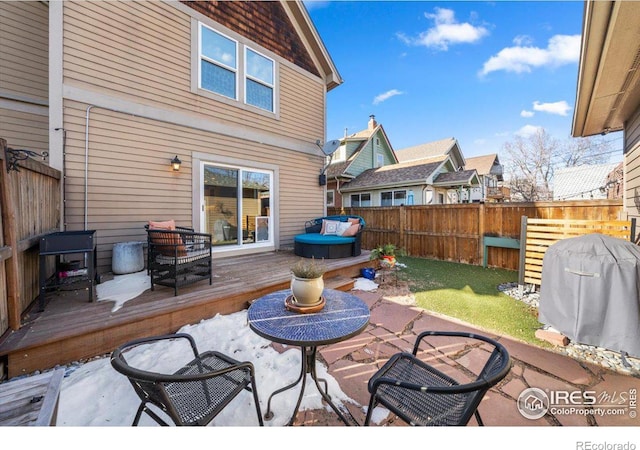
<point>386,255</point>
<point>307,283</point>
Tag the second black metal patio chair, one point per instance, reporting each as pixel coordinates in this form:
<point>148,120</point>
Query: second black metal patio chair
<point>422,395</point>
<point>193,395</point>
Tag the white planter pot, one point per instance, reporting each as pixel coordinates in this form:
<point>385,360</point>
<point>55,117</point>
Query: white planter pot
<point>307,291</point>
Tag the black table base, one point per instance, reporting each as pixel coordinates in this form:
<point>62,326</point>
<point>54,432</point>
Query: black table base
<point>343,316</point>
<point>308,367</point>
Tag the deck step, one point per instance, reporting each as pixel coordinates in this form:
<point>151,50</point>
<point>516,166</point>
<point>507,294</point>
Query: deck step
<point>339,283</point>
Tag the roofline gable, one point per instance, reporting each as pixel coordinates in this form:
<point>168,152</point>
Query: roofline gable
<point>309,34</point>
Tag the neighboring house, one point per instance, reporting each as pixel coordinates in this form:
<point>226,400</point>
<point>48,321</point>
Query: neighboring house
<point>358,152</point>
<point>490,174</point>
<point>236,90</point>
<point>608,91</point>
<point>615,182</point>
<point>582,182</point>
<point>426,174</point>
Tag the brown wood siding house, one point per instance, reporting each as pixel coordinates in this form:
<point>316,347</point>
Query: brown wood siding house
<point>608,90</point>
<point>128,88</point>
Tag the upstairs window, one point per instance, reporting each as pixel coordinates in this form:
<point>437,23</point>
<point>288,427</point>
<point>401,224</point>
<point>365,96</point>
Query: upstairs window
<point>259,85</point>
<point>218,63</point>
<point>379,160</point>
<point>231,68</point>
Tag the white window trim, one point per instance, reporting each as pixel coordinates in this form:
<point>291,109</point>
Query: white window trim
<point>240,91</point>
<point>360,194</point>
<point>333,197</point>
<point>393,196</point>
<point>248,77</point>
<point>236,71</point>
<point>379,159</point>
<point>272,219</point>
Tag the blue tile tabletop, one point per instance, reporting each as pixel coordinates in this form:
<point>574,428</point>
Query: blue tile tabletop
<point>343,316</point>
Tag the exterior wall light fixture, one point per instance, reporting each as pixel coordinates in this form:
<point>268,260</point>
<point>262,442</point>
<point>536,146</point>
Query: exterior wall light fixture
<point>175,163</point>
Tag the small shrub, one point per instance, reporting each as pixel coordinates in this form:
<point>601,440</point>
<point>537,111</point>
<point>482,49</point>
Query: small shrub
<point>308,268</point>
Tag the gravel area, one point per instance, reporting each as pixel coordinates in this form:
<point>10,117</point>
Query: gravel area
<point>595,355</point>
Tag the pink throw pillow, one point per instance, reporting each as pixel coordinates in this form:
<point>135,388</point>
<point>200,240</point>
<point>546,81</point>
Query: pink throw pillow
<point>352,230</point>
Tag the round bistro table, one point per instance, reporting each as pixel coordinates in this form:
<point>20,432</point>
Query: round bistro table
<point>343,316</point>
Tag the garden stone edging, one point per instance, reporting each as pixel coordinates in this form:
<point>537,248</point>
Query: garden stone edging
<point>608,359</point>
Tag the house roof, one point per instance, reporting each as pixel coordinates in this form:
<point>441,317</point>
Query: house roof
<point>482,164</point>
<point>340,169</point>
<point>456,178</point>
<point>448,147</point>
<point>581,181</point>
<point>485,165</point>
<point>314,42</point>
<point>394,174</point>
<point>427,150</point>
<point>608,90</point>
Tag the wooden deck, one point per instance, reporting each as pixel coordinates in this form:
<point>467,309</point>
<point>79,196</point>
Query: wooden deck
<point>72,328</point>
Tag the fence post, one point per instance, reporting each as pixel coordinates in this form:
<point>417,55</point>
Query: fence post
<point>403,226</point>
<point>481,248</point>
<point>523,249</point>
<point>10,239</point>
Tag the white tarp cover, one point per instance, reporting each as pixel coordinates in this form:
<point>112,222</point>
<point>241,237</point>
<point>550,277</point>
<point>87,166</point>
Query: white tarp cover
<point>590,291</point>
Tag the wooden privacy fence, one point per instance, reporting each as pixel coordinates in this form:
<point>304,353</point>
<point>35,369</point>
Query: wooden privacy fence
<point>457,232</point>
<point>539,234</point>
<point>30,208</point>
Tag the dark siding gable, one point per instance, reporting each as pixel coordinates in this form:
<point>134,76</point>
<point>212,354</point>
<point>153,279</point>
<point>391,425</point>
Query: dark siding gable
<point>263,22</point>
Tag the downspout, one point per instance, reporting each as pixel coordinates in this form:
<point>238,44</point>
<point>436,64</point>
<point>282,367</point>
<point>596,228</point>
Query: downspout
<point>86,169</point>
<point>340,194</point>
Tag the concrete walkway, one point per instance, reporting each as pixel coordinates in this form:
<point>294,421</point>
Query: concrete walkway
<point>393,328</point>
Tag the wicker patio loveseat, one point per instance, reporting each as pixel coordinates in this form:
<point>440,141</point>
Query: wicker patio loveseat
<point>177,257</point>
<point>330,237</point>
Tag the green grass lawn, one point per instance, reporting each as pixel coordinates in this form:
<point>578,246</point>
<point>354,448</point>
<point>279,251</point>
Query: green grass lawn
<point>470,293</point>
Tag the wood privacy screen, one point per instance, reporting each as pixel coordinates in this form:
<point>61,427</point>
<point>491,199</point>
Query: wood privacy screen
<point>538,235</point>
<point>29,208</point>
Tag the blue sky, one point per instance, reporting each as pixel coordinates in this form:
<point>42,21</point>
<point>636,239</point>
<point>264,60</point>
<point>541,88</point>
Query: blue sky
<point>482,72</point>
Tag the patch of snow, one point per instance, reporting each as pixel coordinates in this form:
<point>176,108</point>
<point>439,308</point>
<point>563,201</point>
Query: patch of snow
<point>123,288</point>
<point>364,284</point>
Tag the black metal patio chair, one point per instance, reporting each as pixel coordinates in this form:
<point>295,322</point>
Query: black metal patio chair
<point>422,395</point>
<point>193,395</point>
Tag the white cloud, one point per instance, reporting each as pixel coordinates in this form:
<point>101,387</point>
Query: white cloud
<point>386,96</point>
<point>528,130</point>
<point>525,113</point>
<point>561,49</point>
<point>446,31</point>
<point>560,108</point>
<point>522,40</point>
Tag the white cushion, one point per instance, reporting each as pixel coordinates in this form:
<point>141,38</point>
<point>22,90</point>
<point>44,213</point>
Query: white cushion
<point>330,227</point>
<point>342,227</point>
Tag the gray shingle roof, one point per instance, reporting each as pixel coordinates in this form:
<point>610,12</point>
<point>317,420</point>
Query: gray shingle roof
<point>400,174</point>
<point>455,178</point>
<point>427,150</point>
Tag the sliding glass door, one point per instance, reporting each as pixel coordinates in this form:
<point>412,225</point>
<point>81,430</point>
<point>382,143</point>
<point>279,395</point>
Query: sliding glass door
<point>237,205</point>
